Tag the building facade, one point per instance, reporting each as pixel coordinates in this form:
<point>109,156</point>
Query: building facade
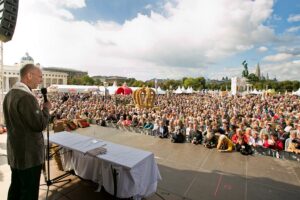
<point>11,75</point>
<point>72,73</point>
<point>110,79</point>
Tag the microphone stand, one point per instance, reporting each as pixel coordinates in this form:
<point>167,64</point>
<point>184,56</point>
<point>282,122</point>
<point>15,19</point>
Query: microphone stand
<point>48,179</point>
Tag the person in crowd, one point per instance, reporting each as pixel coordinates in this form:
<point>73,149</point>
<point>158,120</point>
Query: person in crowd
<point>293,135</point>
<point>239,134</point>
<point>243,147</point>
<point>276,144</point>
<point>135,121</point>
<point>162,130</point>
<point>255,140</point>
<point>148,125</point>
<point>196,134</point>
<point>224,144</point>
<point>180,133</point>
<point>121,121</point>
<point>209,140</point>
<point>266,141</point>
<point>267,129</point>
<point>189,129</point>
<point>127,122</point>
<point>294,144</point>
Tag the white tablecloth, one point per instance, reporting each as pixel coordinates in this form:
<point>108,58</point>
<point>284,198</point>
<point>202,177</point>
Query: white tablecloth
<point>137,170</point>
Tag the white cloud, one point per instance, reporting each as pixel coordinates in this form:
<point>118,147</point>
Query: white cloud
<point>69,3</point>
<point>294,18</point>
<point>186,37</point>
<point>293,29</point>
<point>288,70</point>
<point>296,61</point>
<point>148,7</point>
<point>262,49</point>
<point>278,57</point>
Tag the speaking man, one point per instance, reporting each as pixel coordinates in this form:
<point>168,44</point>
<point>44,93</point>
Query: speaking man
<point>25,120</point>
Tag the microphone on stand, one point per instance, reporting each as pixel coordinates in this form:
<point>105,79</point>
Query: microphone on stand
<point>44,93</point>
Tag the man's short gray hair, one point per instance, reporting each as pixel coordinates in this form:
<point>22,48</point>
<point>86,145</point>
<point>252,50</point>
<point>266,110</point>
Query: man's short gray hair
<point>26,69</point>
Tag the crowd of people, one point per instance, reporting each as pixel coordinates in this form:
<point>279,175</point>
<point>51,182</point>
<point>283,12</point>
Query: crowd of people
<point>228,123</point>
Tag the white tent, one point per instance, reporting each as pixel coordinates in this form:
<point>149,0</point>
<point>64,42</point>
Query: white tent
<point>111,89</point>
<point>297,92</point>
<point>178,91</point>
<point>190,90</point>
<point>183,89</point>
<point>72,88</point>
<point>255,92</point>
<point>160,91</point>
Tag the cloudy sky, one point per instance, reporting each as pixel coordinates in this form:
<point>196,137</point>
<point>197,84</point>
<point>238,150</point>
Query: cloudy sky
<point>148,39</point>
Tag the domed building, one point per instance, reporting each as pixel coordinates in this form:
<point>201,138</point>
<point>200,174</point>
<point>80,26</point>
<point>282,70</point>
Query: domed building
<point>11,74</point>
<point>27,59</point>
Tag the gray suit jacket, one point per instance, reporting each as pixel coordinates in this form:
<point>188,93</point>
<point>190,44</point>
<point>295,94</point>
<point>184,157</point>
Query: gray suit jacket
<point>25,122</point>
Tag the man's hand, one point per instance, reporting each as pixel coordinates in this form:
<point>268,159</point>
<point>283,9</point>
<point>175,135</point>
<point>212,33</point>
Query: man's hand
<point>47,105</point>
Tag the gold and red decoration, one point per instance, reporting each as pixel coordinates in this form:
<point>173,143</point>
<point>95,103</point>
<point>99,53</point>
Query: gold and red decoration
<point>144,97</point>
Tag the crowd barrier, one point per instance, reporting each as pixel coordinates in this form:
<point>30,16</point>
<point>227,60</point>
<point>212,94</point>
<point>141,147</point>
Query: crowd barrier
<point>277,154</point>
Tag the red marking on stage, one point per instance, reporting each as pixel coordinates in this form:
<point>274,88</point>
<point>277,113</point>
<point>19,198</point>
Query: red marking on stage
<point>218,185</point>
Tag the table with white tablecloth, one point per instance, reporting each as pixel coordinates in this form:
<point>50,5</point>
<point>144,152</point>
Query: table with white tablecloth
<point>137,170</point>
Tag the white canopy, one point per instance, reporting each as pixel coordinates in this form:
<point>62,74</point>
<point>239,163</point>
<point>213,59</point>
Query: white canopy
<point>255,92</point>
<point>111,89</point>
<point>160,91</point>
<point>178,91</point>
<point>183,89</point>
<point>190,90</point>
<point>72,88</point>
<point>297,92</point>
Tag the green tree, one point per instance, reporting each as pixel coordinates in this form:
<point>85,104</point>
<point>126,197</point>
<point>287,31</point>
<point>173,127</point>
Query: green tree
<point>130,81</point>
<point>86,80</point>
<point>97,82</point>
<point>252,78</point>
<point>138,83</point>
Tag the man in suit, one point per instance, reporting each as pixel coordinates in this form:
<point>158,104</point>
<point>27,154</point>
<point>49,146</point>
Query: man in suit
<point>25,121</point>
<point>162,130</point>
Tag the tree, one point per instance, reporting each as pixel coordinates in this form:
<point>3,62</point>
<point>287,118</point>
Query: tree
<point>130,81</point>
<point>170,82</point>
<point>97,82</point>
<point>86,80</point>
<point>195,83</point>
<point>138,83</point>
<point>252,78</point>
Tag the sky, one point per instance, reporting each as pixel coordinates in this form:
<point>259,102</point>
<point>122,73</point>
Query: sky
<point>147,39</point>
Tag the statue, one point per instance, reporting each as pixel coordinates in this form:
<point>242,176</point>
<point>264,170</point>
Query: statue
<point>245,72</point>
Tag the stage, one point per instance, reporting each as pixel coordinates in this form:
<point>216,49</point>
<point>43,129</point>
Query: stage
<point>188,172</point>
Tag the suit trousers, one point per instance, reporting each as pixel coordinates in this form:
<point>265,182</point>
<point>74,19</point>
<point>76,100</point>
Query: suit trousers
<point>25,183</point>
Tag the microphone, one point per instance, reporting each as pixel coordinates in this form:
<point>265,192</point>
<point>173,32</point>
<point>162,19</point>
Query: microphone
<point>44,93</point>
